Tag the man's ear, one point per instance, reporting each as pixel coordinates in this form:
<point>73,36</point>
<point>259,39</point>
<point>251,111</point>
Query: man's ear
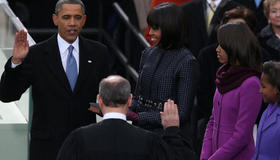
<point>84,20</point>
<point>276,90</point>
<point>54,18</point>
<point>99,100</point>
<point>129,101</point>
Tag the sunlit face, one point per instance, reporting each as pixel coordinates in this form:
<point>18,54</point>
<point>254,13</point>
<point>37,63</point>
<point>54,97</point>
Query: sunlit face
<point>222,55</point>
<point>69,20</point>
<point>268,91</point>
<point>155,35</point>
<point>274,14</point>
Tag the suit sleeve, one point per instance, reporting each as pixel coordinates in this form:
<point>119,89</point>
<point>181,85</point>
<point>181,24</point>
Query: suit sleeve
<point>70,150</point>
<point>179,147</point>
<point>15,81</point>
<point>250,103</point>
<point>186,86</point>
<point>171,146</point>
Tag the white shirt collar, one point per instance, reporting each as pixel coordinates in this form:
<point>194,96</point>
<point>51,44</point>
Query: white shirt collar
<point>63,50</point>
<point>217,2</point>
<point>63,45</point>
<point>114,115</point>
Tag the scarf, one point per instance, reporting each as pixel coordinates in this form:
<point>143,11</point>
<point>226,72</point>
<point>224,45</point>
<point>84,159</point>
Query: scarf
<point>230,77</point>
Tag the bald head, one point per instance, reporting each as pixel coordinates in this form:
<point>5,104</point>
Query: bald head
<point>114,91</point>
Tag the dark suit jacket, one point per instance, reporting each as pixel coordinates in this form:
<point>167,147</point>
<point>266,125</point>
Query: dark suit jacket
<point>56,109</point>
<point>115,139</point>
<point>270,42</point>
<point>195,12</point>
<point>163,75</point>
<point>209,65</point>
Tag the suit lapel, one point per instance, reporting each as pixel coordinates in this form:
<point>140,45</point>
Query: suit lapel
<point>202,7</point>
<point>271,119</point>
<point>216,19</point>
<point>149,68</point>
<point>175,55</point>
<point>84,64</point>
<point>53,61</point>
<point>163,69</point>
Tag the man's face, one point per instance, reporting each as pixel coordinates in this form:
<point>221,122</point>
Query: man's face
<point>69,20</point>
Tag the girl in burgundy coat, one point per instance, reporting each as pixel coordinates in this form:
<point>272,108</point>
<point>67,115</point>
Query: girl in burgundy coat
<point>237,100</point>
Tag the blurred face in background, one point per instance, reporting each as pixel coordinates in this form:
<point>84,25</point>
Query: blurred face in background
<point>236,20</point>
<point>268,91</point>
<point>70,21</point>
<point>155,35</point>
<point>222,55</point>
<point>274,14</point>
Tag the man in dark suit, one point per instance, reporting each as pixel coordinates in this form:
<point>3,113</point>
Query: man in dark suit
<point>196,12</point>
<point>64,72</point>
<point>114,138</point>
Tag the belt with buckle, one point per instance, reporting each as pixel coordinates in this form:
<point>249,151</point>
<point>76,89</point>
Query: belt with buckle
<point>150,103</point>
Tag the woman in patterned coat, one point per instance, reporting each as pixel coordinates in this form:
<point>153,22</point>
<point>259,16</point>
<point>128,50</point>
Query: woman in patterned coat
<point>168,70</point>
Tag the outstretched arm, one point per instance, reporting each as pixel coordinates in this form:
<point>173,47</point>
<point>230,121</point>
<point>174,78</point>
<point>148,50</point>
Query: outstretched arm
<point>178,146</point>
<point>15,81</point>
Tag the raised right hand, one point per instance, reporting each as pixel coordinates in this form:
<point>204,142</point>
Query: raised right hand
<point>21,47</point>
<point>170,116</point>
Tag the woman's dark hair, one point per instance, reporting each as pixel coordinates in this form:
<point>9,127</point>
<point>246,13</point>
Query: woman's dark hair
<point>240,44</point>
<point>170,18</point>
<point>243,13</point>
<point>272,70</point>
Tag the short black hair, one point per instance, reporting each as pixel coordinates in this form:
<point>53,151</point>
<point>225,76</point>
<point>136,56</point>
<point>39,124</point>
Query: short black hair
<point>114,91</point>
<point>59,3</point>
<point>240,44</point>
<point>170,18</point>
<point>272,70</point>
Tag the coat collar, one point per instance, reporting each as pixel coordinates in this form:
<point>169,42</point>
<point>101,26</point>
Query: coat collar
<point>272,41</point>
<point>272,119</point>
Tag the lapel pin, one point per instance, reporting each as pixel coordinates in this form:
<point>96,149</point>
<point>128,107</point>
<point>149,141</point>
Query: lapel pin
<point>89,61</point>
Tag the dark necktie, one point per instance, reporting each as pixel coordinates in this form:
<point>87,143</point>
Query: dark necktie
<point>71,68</point>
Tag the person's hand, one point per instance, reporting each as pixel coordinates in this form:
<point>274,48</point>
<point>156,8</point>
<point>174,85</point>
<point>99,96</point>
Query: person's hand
<point>21,47</point>
<point>96,110</point>
<point>170,116</point>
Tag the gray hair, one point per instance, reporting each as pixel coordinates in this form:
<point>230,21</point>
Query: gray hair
<point>61,2</point>
<point>114,90</point>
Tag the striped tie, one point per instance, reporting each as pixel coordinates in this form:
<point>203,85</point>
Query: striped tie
<point>71,68</point>
<point>210,14</point>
